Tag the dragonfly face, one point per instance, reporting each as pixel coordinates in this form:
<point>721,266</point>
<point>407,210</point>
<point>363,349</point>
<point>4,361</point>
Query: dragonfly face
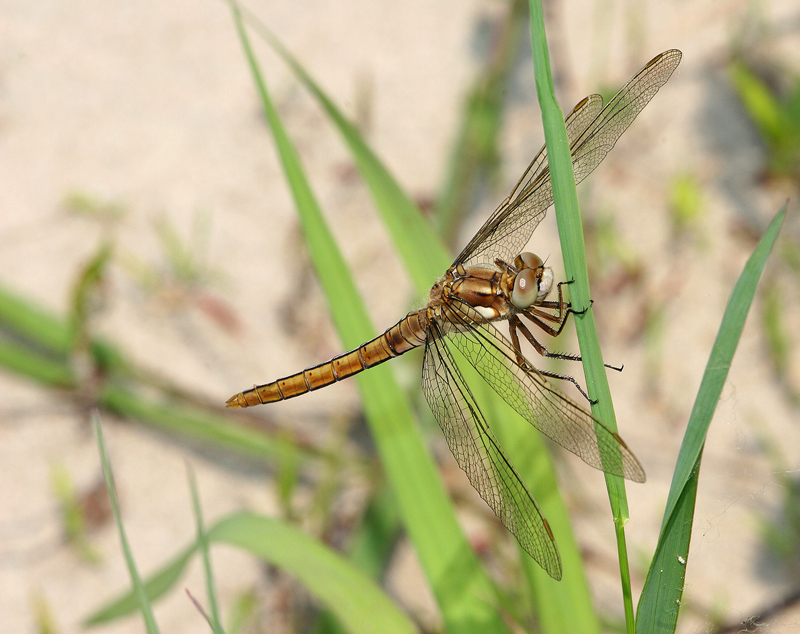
<point>480,290</point>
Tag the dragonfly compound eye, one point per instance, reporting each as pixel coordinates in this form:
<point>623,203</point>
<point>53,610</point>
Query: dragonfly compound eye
<point>527,260</point>
<point>526,289</point>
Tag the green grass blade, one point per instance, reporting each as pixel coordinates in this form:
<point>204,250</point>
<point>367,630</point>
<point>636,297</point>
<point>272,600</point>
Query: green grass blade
<point>202,543</point>
<point>720,360</point>
<point>660,601</point>
<point>460,585</point>
<point>572,244</point>
<point>44,369</point>
<point>210,429</point>
<point>142,601</point>
<point>37,345</point>
<point>356,600</point>
<point>49,333</point>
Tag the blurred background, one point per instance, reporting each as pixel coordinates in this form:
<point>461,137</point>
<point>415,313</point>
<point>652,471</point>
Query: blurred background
<point>142,205</point>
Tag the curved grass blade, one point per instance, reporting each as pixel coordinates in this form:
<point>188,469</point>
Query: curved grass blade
<point>659,603</point>
<point>356,601</point>
<point>461,586</point>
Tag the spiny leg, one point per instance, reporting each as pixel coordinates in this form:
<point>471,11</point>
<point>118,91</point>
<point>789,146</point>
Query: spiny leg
<point>514,323</point>
<point>564,309</point>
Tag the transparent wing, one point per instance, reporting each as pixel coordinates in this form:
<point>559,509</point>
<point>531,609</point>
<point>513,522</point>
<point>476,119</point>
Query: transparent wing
<point>537,202</point>
<point>479,454</point>
<point>591,136</point>
<point>529,393</point>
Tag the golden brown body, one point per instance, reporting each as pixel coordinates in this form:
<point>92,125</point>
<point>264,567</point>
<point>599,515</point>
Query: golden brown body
<point>484,289</point>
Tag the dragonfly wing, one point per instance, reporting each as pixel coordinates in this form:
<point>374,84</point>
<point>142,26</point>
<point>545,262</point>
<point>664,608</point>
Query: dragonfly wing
<point>591,135</point>
<point>533,398</point>
<point>596,141</point>
<point>479,454</point>
<point>492,239</point>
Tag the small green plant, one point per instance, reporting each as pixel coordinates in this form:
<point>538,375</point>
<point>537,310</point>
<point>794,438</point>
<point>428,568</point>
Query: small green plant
<point>775,112</point>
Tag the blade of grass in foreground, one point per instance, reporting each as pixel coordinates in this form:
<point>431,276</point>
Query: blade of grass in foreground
<point>356,600</point>
<point>572,244</point>
<point>461,587</point>
<point>659,604</point>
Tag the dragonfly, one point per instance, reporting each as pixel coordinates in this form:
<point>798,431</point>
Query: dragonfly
<point>491,281</point>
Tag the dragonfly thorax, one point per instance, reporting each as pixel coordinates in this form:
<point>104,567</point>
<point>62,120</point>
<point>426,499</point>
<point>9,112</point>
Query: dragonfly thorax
<point>480,287</point>
<point>496,292</point>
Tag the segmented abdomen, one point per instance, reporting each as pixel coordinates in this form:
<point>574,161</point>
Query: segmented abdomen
<point>408,333</point>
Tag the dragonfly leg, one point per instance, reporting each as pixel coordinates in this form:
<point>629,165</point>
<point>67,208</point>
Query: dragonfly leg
<point>566,377</point>
<point>515,324</point>
<point>538,313</point>
<point>538,317</point>
<point>564,309</point>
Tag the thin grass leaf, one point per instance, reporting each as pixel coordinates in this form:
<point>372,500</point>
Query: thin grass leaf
<point>190,422</point>
<point>43,369</point>
<point>202,542</point>
<point>356,601</point>
<point>142,602</point>
<point>659,603</point>
<point>572,244</point>
<point>48,333</point>
<point>460,585</point>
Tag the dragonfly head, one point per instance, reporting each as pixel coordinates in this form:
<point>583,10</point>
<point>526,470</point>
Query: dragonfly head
<point>533,281</point>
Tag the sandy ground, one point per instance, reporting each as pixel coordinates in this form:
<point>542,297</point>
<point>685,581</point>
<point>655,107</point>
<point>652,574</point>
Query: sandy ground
<point>149,106</point>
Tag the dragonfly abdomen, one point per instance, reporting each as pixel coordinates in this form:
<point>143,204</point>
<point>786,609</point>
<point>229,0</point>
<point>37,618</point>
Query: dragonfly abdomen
<point>408,333</point>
